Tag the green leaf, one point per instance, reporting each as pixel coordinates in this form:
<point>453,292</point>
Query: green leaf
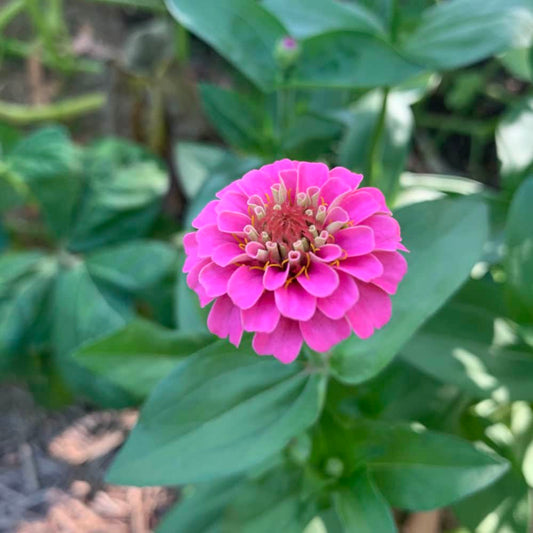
<point>514,151</point>
<point>9,137</point>
<point>459,32</point>
<point>125,188</point>
<point>138,356</point>
<point>394,144</point>
<point>219,413</point>
<point>457,347</point>
<point>195,162</point>
<point>48,163</point>
<point>14,265</point>
<point>503,507</point>
<point>307,18</point>
<point>434,232</point>
<point>518,62</point>
<point>417,469</point>
<point>241,31</point>
<point>519,260</point>
<point>132,266</point>
<point>274,501</point>
<point>362,508</point>
<point>202,511</point>
<point>21,307</point>
<point>84,310</point>
<point>239,120</point>
<point>347,60</point>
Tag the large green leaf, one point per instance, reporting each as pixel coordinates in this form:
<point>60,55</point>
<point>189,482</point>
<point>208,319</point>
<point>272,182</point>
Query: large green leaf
<point>457,346</point>
<point>132,266</point>
<point>218,413</point>
<point>122,199</point>
<point>393,145</point>
<point>243,32</point>
<point>362,508</point>
<point>239,120</point>
<point>519,259</point>
<point>21,307</point>
<point>48,163</point>
<point>202,511</point>
<point>515,152</point>
<point>419,470</point>
<point>504,507</point>
<point>306,18</point>
<point>195,162</point>
<point>138,356</point>
<point>445,238</point>
<point>344,59</point>
<point>456,33</point>
<point>273,501</point>
<point>84,310</point>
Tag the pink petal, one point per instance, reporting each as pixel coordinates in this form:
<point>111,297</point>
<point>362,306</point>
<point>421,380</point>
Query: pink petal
<point>378,197</point>
<point>206,216</point>
<point>225,319</point>
<point>232,187</point>
<point>284,343</point>
<point>332,189</point>
<point>320,279</point>
<point>214,279</point>
<point>372,311</point>
<point>364,267</point>
<point>232,222</point>
<point>336,214</point>
<point>257,182</point>
<point>192,276</point>
<point>345,296</point>
<point>228,253</point>
<point>262,317</point>
<point>290,179</point>
<point>386,232</point>
<point>355,241</point>
<point>359,205</point>
<point>295,302</point>
<point>246,286</point>
<point>233,201</point>
<point>394,269</point>
<point>321,332</point>
<point>275,169</point>
<point>191,250</point>
<point>275,277</point>
<point>328,253</point>
<point>209,237</point>
<point>311,174</point>
<point>344,174</point>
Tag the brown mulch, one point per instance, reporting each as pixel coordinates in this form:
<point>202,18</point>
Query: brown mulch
<point>52,465</point>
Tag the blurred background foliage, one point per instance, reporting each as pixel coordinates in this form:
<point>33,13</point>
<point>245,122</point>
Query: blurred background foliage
<point>120,119</point>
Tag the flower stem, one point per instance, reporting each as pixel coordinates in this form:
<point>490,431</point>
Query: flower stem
<point>373,152</point>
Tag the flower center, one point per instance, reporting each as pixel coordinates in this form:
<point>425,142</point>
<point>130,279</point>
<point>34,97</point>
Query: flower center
<point>286,223</point>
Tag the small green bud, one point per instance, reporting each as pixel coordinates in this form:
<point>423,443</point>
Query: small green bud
<point>287,52</point>
<point>334,467</point>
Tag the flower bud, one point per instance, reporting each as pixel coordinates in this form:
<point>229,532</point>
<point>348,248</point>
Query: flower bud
<point>287,52</point>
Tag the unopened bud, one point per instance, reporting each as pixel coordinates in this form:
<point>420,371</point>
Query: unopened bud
<point>287,52</point>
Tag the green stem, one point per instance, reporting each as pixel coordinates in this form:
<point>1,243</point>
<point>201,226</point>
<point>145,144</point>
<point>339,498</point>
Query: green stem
<point>373,152</point>
<point>10,11</point>
<point>463,125</point>
<point>65,110</point>
<point>182,44</point>
<point>156,6</point>
<point>15,48</point>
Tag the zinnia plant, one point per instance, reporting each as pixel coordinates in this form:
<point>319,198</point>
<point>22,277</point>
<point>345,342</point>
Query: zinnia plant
<point>295,252</point>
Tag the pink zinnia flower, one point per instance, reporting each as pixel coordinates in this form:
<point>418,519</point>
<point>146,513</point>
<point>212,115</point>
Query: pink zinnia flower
<point>295,252</point>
